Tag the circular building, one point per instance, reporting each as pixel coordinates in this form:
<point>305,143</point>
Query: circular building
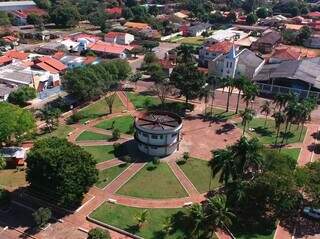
<point>158,133</point>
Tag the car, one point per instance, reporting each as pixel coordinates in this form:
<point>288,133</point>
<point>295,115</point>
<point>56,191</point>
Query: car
<point>312,212</point>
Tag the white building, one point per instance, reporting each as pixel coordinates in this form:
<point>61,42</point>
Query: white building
<point>228,34</point>
<point>121,38</point>
<point>16,5</point>
<point>158,133</point>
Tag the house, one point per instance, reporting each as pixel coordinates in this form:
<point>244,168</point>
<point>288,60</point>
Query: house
<point>313,15</point>
<point>5,90</point>
<point>11,40</point>
<point>20,74</point>
<point>70,45</point>
<point>47,63</point>
<point>14,156</point>
<point>5,60</point>
<point>121,38</point>
<point>236,63</point>
<point>228,34</point>
<point>285,54</point>
<point>16,5</point>
<point>109,50</point>
<point>301,75</point>
<point>198,29</point>
<point>246,42</point>
<point>115,11</point>
<point>20,15</point>
<point>137,25</point>
<point>313,42</point>
<point>267,41</point>
<point>17,55</point>
<point>78,61</point>
<point>209,52</point>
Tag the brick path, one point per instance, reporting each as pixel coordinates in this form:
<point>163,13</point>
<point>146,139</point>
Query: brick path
<point>108,164</point>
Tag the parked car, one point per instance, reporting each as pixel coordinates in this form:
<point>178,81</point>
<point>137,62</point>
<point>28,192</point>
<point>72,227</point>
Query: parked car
<point>312,212</point>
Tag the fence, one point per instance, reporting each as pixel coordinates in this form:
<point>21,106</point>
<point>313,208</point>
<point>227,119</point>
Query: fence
<point>275,90</point>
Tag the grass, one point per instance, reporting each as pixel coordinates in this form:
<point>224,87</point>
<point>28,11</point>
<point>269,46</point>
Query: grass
<point>123,123</point>
<point>12,178</point>
<point>293,153</point>
<point>101,153</point>
<point>88,135</point>
<point>153,103</point>
<point>124,217</point>
<point>109,174</point>
<point>199,174</point>
<point>191,40</point>
<point>267,133</point>
<point>157,183</point>
<point>61,132</point>
<point>100,108</point>
<point>219,114</point>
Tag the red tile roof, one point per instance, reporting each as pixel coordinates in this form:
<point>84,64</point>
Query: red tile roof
<point>89,60</point>
<point>286,53</point>
<point>9,39</point>
<point>109,48</point>
<point>221,47</point>
<point>53,63</point>
<point>137,25</point>
<point>114,10</point>
<point>20,55</point>
<point>5,60</point>
<point>58,55</point>
<point>46,67</point>
<point>313,14</point>
<point>115,34</point>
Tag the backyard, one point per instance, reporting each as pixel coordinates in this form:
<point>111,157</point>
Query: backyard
<point>150,182</point>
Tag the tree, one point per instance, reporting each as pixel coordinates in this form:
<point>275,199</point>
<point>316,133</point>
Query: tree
<point>142,218</point>
<point>304,33</point>
<point>251,19</point>
<point>98,233</point>
<point>230,83</point>
<point>22,95</point>
<point>44,4</point>
<point>222,163</point>
<point>136,50</point>
<point>60,170</point>
<point>4,19</point>
<point>240,84</point>
<point>247,116</point>
<point>198,217</point>
<point>42,216</point>
<point>15,124</point>
<point>3,162</point>
<point>262,12</point>
<point>51,117</point>
<point>185,54</point>
<point>149,58</point>
<point>4,197</point>
<point>35,20</point>
<point>265,108</point>
<point>279,118</point>
<point>190,88</point>
<point>116,134</point>
<point>149,45</point>
<point>110,98</point>
<point>167,226</point>
<point>250,91</point>
<point>65,15</point>
<point>162,89</point>
<point>99,18</point>
<point>219,215</point>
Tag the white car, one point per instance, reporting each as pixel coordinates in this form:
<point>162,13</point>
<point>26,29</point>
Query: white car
<point>312,212</point>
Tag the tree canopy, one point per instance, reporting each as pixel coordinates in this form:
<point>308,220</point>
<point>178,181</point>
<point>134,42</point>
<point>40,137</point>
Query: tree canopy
<point>15,124</point>
<point>60,170</point>
<point>22,95</point>
<point>65,15</point>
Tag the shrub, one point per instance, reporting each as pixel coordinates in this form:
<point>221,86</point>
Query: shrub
<point>42,216</point>
<point>131,129</point>
<point>186,156</point>
<point>75,118</point>
<point>127,158</point>
<point>116,134</point>
<point>156,160</point>
<point>98,233</point>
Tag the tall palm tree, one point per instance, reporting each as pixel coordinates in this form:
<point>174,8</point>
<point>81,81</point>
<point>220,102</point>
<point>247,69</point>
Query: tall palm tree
<point>247,116</point>
<point>250,91</point>
<point>185,54</point>
<point>265,108</point>
<point>198,217</point>
<point>222,163</point>
<point>240,84</point>
<point>236,192</point>
<point>219,215</point>
<point>279,118</point>
<point>230,83</point>
<point>282,100</point>
<point>247,154</point>
<point>291,112</point>
<point>307,106</point>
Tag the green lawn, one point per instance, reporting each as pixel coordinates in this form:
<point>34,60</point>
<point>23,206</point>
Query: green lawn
<point>99,108</point>
<point>191,40</point>
<point>293,153</point>
<point>143,101</point>
<point>123,123</point>
<point>12,178</point>
<point>101,153</point>
<point>267,134</point>
<point>156,183</point>
<point>107,175</point>
<point>125,218</point>
<point>88,135</point>
<point>219,114</point>
<point>61,132</point>
<point>199,174</point>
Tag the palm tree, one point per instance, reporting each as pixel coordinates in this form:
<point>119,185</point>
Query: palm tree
<point>240,84</point>
<point>167,226</point>
<point>279,118</point>
<point>185,54</point>
<point>291,112</point>
<point>282,100</point>
<point>218,214</point>
<point>265,108</point>
<point>247,116</point>
<point>247,154</point>
<point>230,83</point>
<point>142,218</point>
<point>222,163</point>
<point>204,94</point>
<point>250,91</point>
<point>198,217</point>
<point>236,192</point>
<point>307,106</point>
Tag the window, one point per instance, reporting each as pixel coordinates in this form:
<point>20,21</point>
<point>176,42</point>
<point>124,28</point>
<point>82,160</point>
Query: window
<point>145,135</point>
<point>227,64</point>
<point>230,64</point>
<point>174,135</point>
<point>161,136</point>
<point>154,147</point>
<point>154,136</point>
